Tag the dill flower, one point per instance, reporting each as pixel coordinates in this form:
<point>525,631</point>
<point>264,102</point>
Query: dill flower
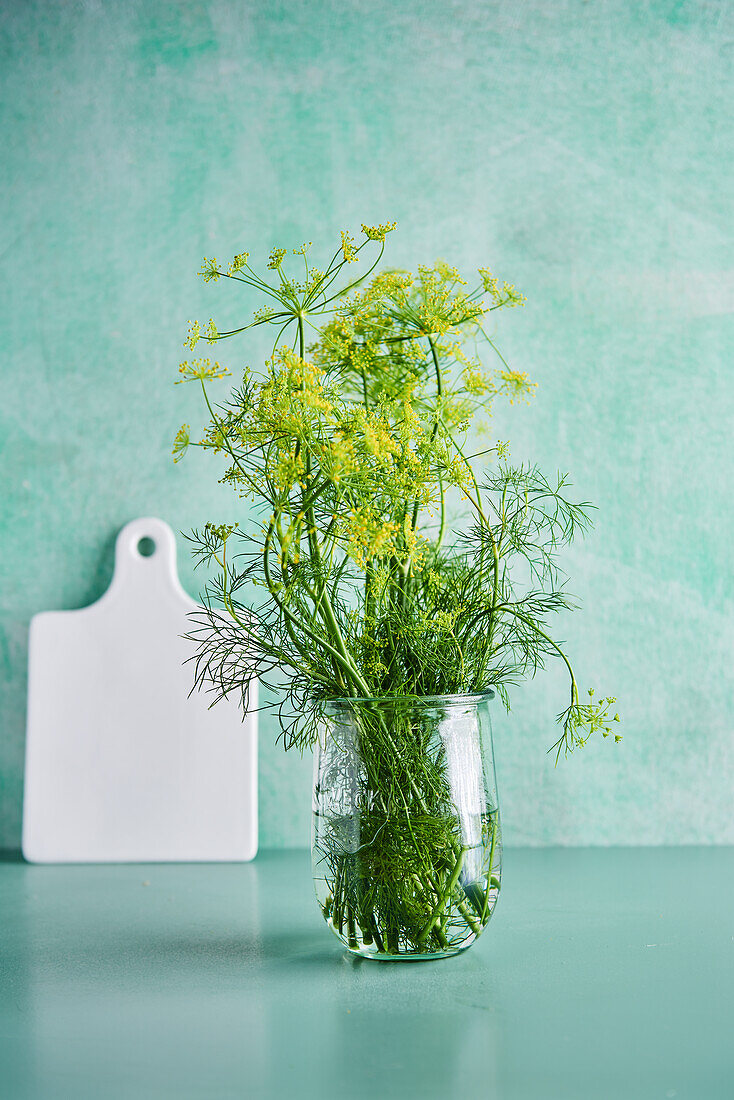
<point>378,232</point>
<point>348,250</point>
<point>181,442</point>
<point>276,258</point>
<point>210,270</point>
<point>194,335</point>
<point>202,369</point>
<point>238,262</point>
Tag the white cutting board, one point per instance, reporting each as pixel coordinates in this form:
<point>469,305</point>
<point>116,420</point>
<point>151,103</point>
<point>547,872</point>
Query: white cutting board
<point>121,765</point>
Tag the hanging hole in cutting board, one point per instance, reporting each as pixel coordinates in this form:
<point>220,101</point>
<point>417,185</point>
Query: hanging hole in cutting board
<point>146,547</point>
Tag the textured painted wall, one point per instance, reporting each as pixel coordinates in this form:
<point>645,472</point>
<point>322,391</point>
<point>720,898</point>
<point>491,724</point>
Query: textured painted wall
<point>581,149</point>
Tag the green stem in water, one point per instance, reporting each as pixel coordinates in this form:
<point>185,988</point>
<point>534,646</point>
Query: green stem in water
<point>485,908</point>
<point>351,932</point>
<point>446,894</point>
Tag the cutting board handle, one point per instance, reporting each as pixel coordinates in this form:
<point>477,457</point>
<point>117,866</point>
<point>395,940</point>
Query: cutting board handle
<point>145,559</point>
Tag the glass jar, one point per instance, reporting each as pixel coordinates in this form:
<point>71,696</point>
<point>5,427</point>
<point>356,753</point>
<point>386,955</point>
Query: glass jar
<point>406,839</point>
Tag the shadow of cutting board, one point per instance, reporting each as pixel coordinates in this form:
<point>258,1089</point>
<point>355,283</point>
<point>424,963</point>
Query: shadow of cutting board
<point>121,765</point>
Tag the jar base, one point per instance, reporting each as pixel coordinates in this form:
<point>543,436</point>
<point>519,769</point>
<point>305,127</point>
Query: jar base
<point>428,956</point>
<point>371,951</point>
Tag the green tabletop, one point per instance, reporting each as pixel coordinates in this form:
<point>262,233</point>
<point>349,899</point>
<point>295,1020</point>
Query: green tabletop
<point>605,973</point>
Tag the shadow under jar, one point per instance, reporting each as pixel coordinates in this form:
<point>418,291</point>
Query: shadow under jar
<point>406,840</point>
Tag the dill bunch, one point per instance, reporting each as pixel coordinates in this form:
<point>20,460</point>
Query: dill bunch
<point>352,445</point>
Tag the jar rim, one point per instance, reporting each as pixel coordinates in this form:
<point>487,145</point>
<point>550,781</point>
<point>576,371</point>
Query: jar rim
<point>446,700</point>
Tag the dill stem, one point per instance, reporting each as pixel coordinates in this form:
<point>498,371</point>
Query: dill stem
<point>438,931</point>
<point>442,524</point>
<point>439,393</point>
<point>288,615</point>
<point>361,279</point>
<point>466,914</point>
<point>534,626</point>
<point>225,439</point>
<point>338,912</point>
<point>485,907</point>
<point>444,896</point>
<point>351,933</point>
<point>369,598</point>
<point>379,942</point>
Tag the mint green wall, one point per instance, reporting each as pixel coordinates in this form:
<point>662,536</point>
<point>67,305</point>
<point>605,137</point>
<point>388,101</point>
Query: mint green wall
<point>583,150</point>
